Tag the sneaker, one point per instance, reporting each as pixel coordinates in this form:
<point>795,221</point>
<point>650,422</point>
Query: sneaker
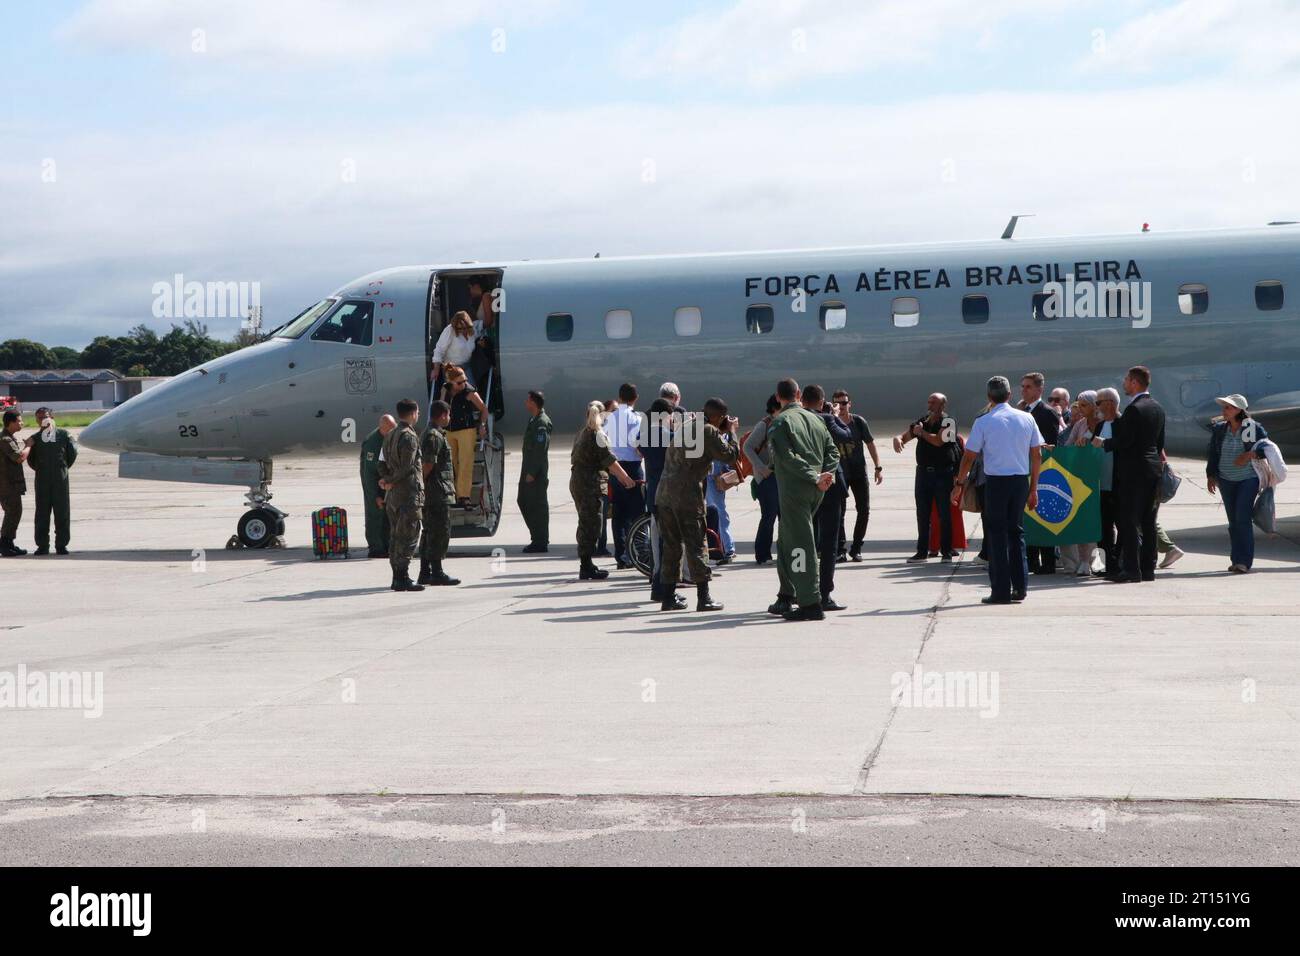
<point>855,555</point>
<point>1171,556</point>
<point>1239,569</point>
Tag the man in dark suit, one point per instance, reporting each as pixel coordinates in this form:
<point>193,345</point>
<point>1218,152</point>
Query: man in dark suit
<point>1139,447</point>
<point>1040,560</point>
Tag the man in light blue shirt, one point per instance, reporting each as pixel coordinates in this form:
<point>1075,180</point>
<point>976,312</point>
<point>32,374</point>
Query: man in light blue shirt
<point>623,430</point>
<point>1011,444</point>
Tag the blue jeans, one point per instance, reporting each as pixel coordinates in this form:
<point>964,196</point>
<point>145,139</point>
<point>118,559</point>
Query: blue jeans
<point>769,506</point>
<point>719,500</point>
<point>1239,502</point>
<point>1004,532</point>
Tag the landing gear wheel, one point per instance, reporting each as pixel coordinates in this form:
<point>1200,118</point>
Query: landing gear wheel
<point>258,527</point>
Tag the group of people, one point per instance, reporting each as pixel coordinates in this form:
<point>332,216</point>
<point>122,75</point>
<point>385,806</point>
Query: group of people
<point>49,453</point>
<point>809,453</point>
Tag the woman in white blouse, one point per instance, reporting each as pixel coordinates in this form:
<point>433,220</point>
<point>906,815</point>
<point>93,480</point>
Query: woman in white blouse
<point>455,345</point>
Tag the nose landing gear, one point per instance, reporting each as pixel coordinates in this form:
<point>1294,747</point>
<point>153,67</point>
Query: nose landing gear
<point>263,525</point>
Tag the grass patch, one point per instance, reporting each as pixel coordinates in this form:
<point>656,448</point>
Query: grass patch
<point>73,419</point>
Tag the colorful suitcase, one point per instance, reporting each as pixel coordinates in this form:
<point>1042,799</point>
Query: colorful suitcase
<point>329,532</point>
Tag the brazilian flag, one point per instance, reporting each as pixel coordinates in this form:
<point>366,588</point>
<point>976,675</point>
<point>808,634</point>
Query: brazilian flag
<point>1069,498</point>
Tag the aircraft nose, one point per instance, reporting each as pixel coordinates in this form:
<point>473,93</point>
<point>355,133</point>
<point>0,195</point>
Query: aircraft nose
<point>107,432</point>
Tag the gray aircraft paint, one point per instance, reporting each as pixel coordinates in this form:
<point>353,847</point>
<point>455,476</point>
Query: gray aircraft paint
<point>288,397</point>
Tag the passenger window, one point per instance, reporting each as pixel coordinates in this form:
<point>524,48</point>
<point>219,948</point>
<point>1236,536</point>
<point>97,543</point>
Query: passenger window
<point>559,327</point>
<point>618,324</point>
<point>1193,298</point>
<point>349,324</point>
<point>1268,296</point>
<point>907,311</point>
<point>974,309</point>
<point>1045,307</point>
<point>834,316</point>
<point>759,319</point>
<point>688,321</point>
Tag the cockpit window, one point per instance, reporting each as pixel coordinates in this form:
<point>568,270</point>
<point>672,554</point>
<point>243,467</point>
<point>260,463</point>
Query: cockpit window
<point>350,324</point>
<point>304,320</point>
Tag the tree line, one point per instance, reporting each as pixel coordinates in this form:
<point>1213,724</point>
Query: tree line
<point>142,351</point>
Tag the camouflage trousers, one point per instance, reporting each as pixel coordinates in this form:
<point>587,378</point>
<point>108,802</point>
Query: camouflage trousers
<point>437,529</point>
<point>587,500</point>
<point>683,535</point>
<point>12,503</point>
<point>403,531</point>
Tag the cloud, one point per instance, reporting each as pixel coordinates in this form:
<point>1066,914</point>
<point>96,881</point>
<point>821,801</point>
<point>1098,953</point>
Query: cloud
<point>1262,36</point>
<point>767,43</point>
<point>289,32</point>
<point>272,202</point>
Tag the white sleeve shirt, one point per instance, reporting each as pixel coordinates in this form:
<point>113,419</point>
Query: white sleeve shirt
<point>1005,436</point>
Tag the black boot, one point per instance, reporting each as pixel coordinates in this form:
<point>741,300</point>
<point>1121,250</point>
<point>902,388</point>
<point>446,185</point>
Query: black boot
<point>703,602</point>
<point>402,578</point>
<point>673,602</point>
<point>589,572</point>
<point>426,572</point>
<point>782,605</point>
<point>10,550</point>
<point>440,578</point>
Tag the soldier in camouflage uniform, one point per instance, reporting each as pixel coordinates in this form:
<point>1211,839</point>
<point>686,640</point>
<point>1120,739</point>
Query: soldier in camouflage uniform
<point>533,481</point>
<point>679,502</point>
<point>805,459</point>
<point>590,461</point>
<point>13,483</point>
<point>439,492</point>
<point>401,479</point>
<point>376,519</point>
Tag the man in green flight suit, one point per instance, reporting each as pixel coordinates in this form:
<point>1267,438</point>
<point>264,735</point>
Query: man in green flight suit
<point>439,492</point>
<point>53,453</point>
<point>804,458</point>
<point>679,502</point>
<point>376,520</point>
<point>402,481</point>
<point>533,481</point>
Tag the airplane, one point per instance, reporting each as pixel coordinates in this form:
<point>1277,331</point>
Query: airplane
<point>1207,311</point>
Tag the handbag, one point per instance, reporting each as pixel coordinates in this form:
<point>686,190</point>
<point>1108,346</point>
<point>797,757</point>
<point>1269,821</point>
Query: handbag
<point>726,480</point>
<point>1169,482</point>
<point>970,499</point>
<point>1265,512</point>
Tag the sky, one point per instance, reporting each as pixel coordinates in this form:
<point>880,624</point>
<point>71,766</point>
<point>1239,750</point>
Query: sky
<point>301,144</point>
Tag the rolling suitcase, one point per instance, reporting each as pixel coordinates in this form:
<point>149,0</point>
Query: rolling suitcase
<point>329,532</point>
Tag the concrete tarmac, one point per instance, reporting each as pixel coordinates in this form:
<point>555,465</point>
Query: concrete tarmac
<point>237,675</point>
